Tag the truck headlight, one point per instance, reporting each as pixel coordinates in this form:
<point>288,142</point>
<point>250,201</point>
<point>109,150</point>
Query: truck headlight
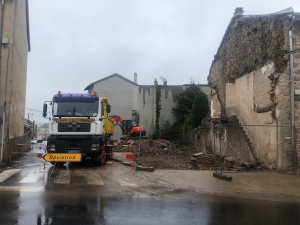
<point>95,146</point>
<point>50,148</point>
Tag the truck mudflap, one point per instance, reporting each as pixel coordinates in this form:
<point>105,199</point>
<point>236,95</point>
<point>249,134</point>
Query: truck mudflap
<point>74,144</point>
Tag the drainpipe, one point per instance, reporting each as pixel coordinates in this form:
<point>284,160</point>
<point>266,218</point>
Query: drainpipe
<point>4,106</point>
<point>292,94</point>
<point>1,27</point>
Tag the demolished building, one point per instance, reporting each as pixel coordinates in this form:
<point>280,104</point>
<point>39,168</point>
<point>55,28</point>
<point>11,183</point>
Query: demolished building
<point>252,78</point>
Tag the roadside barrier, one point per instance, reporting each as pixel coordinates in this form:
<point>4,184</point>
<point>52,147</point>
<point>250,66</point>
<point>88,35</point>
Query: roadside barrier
<point>32,156</point>
<point>127,158</point>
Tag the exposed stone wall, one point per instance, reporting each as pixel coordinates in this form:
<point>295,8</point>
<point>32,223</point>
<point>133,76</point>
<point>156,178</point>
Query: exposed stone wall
<point>250,44</point>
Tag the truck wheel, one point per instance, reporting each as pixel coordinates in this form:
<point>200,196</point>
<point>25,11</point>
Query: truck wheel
<point>98,160</point>
<point>108,153</point>
<point>60,163</point>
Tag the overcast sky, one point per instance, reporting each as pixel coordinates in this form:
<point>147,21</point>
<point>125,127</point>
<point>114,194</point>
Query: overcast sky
<point>76,42</point>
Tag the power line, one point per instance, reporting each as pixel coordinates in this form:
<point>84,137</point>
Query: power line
<point>34,110</point>
<point>32,103</point>
<point>34,97</point>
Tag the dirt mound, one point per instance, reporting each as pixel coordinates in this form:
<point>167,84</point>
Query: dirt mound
<point>160,153</point>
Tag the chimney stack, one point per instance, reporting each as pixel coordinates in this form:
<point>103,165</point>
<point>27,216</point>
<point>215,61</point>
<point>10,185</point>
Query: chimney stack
<point>238,11</point>
<point>135,77</point>
<point>164,80</point>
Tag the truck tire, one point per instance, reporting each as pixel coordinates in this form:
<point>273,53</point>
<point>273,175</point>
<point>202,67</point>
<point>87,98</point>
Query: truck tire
<point>108,152</point>
<point>98,159</point>
<point>59,163</point>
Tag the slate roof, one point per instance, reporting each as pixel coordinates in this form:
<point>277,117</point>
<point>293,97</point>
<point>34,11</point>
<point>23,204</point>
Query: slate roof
<point>108,77</point>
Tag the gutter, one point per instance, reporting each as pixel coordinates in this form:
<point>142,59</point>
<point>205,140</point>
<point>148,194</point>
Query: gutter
<point>4,109</point>
<point>292,93</point>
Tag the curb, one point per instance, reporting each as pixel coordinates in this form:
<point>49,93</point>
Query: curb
<point>3,164</point>
<point>143,168</point>
<point>222,177</point>
<point>120,161</point>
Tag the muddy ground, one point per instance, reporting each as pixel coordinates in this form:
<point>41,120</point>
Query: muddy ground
<point>160,154</point>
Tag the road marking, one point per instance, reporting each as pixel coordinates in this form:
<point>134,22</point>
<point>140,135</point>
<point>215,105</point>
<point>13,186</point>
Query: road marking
<point>62,177</point>
<point>7,174</point>
<point>20,188</point>
<point>92,177</point>
<point>32,177</point>
<point>125,183</point>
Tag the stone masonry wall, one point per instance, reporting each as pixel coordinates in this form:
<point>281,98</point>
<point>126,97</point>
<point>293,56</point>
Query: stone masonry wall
<point>250,44</point>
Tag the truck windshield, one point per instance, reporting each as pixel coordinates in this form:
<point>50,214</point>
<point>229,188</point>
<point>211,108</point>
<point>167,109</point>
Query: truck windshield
<point>75,109</point>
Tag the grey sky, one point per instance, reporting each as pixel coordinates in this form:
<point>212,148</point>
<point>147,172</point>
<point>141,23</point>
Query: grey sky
<point>76,42</point>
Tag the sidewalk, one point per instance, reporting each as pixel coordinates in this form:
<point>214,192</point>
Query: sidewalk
<point>273,186</point>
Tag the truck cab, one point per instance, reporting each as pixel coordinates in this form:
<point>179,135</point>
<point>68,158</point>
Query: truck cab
<point>79,123</point>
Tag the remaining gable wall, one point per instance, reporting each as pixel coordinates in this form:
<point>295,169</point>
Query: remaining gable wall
<point>251,77</point>
<point>250,44</point>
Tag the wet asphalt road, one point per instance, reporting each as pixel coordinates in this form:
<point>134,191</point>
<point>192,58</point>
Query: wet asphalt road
<point>113,194</point>
<point>33,208</point>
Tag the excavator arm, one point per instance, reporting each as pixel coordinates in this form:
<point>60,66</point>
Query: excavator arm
<point>129,127</point>
<point>118,120</point>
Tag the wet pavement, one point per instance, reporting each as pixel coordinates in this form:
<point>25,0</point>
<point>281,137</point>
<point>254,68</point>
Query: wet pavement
<point>273,186</point>
<point>117,194</point>
<point>41,208</point>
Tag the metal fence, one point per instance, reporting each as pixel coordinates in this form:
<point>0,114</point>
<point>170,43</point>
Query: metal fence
<point>269,146</point>
<point>179,136</point>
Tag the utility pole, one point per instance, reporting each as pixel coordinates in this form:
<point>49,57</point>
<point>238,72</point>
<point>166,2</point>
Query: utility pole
<point>29,115</point>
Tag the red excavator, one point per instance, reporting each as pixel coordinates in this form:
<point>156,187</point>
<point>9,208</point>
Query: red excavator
<point>129,127</point>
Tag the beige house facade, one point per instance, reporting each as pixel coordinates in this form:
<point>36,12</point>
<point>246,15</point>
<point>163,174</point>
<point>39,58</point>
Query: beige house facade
<point>251,77</point>
<point>15,45</point>
<point>126,96</point>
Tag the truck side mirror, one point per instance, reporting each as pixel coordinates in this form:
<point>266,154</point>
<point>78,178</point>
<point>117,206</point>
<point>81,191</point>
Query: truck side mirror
<point>108,108</point>
<point>45,110</point>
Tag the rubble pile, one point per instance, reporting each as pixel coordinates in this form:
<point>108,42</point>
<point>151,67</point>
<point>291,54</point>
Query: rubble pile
<point>232,164</point>
<point>201,160</point>
<point>204,161</point>
<point>148,147</point>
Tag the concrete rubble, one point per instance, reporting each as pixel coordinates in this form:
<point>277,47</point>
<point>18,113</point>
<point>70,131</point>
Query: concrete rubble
<point>164,153</point>
<point>149,147</point>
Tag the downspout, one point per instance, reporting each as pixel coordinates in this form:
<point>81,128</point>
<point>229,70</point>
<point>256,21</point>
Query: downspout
<point>4,105</point>
<point>292,95</point>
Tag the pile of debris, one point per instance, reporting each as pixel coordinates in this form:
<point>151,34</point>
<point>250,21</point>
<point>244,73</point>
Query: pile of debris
<point>148,147</point>
<point>205,161</point>
<point>210,161</point>
<point>232,164</point>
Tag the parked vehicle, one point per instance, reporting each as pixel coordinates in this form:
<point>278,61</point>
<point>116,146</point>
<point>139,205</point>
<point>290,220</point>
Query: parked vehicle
<point>34,141</point>
<point>79,123</point>
<point>129,128</point>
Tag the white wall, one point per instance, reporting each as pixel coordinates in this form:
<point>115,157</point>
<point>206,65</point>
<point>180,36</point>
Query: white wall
<point>120,95</point>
